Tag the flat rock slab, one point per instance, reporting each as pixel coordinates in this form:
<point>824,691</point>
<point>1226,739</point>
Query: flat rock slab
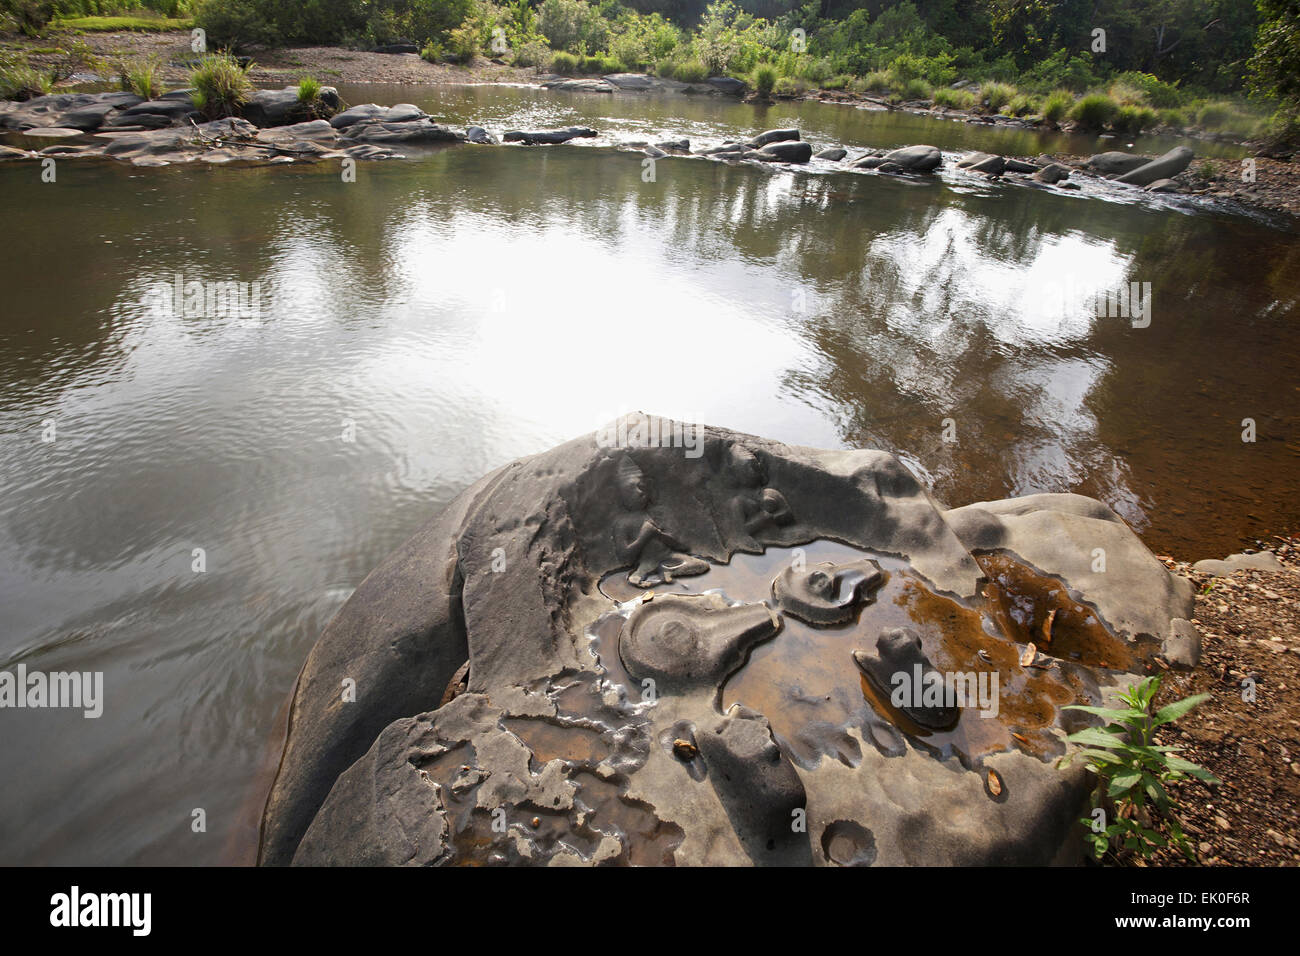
<point>558,668</point>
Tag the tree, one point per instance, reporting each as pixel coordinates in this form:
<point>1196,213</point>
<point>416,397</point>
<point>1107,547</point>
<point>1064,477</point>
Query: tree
<point>1275,67</point>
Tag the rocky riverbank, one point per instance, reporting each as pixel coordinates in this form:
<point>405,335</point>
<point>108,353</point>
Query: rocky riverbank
<point>276,126</point>
<point>1248,615</point>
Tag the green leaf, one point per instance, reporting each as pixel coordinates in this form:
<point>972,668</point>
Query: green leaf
<point>1195,770</point>
<point>1171,712</point>
<point>1096,737</point>
<point>1123,782</point>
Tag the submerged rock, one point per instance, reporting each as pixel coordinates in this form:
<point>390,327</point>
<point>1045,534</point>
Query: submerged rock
<point>834,154</point>
<point>535,683</point>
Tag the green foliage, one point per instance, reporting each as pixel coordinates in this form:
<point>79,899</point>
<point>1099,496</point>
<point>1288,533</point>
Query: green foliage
<point>220,86</point>
<point>141,77</point>
<point>764,80</point>
<point>432,52</point>
<point>534,53</point>
<point>566,64</point>
<point>308,90</point>
<point>690,71</point>
<point>463,42</point>
<point>916,89</point>
<point>19,80</point>
<point>1134,119</point>
<point>1023,104</point>
<point>789,86</point>
<point>573,25</point>
<point>1093,111</point>
<point>954,99</point>
<point>1133,771</point>
<point>997,95</point>
<point>1275,66</point>
<point>1057,105</point>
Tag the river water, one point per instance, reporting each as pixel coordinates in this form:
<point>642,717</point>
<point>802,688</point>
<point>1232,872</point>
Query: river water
<point>439,317</point>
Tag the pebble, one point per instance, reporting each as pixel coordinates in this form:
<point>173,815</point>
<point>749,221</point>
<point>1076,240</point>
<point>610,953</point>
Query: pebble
<point>1222,823</point>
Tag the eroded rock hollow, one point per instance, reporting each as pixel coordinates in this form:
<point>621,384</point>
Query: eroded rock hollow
<point>671,644</point>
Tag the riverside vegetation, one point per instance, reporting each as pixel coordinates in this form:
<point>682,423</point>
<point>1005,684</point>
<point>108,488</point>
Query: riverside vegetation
<point>1224,66</point>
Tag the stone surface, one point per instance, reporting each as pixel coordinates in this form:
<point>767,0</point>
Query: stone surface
<point>1052,173</point>
<point>915,159</point>
<point>1260,561</point>
<point>1115,163</point>
<point>786,152</point>
<point>773,136</point>
<point>834,154</point>
<point>542,676</point>
<point>548,137</point>
<point>1167,166</point>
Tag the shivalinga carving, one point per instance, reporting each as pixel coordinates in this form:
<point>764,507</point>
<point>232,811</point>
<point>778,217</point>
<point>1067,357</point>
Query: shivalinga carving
<point>630,655</point>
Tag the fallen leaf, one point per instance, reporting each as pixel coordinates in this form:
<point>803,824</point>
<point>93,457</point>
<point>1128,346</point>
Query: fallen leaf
<point>1021,737</point>
<point>995,783</point>
<point>1047,626</point>
<point>1028,656</point>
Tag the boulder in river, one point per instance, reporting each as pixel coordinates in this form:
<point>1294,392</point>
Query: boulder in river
<point>1165,167</point>
<point>411,133</point>
<point>786,152</point>
<point>1115,163</point>
<point>535,684</point>
<point>728,84</point>
<point>915,159</point>
<point>773,136</point>
<point>477,134</point>
<point>831,154</point>
<point>548,137</point>
<point>1052,173</point>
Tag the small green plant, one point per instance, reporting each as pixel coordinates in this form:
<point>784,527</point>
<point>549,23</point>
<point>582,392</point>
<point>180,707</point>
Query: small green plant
<point>19,80</point>
<point>141,77</point>
<point>220,85</point>
<point>1134,119</point>
<point>997,95</point>
<point>764,79</point>
<point>463,42</point>
<point>432,52</point>
<point>1093,111</point>
<point>838,82</point>
<point>1057,105</point>
<point>308,90</point>
<point>1132,773</point>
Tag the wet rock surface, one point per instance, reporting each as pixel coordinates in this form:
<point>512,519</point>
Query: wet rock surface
<point>619,652</point>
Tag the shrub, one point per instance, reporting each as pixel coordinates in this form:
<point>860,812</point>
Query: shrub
<point>840,82</point>
<point>572,25</point>
<point>789,86</point>
<point>141,77</point>
<point>764,79</point>
<point>877,82</point>
<point>534,53</point>
<point>1057,106</point>
<point>666,68</point>
<point>916,89</point>
<point>997,95</point>
<point>463,42</point>
<point>1134,119</point>
<point>691,71</point>
<point>566,64</point>
<point>1175,118</point>
<point>954,99</point>
<point>1023,105</point>
<point>1093,111</point>
<point>432,52</point>
<point>220,85</point>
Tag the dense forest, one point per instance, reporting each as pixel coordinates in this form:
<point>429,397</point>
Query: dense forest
<point>1152,58</point>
